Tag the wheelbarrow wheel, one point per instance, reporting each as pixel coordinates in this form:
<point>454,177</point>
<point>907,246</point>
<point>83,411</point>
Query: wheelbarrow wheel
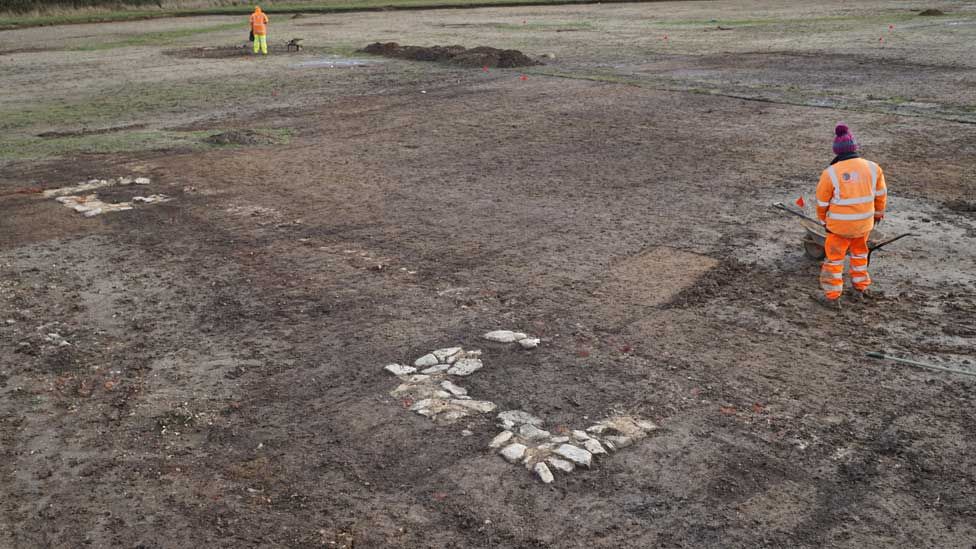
<point>813,250</point>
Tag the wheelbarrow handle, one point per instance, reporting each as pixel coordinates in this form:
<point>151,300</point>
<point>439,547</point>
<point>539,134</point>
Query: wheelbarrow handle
<point>787,209</point>
<point>890,240</point>
<point>871,249</point>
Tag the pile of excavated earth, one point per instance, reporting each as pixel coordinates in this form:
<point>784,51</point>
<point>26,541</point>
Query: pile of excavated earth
<point>89,205</point>
<point>432,393</point>
<point>481,56</point>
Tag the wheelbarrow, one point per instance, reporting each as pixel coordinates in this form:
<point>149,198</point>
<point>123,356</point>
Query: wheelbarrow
<point>816,235</point>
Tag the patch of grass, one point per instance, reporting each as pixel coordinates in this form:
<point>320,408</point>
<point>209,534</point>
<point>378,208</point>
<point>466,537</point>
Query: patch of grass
<point>160,38</point>
<point>10,21</point>
<point>792,22</point>
<point>35,148</point>
<point>128,103</point>
<point>542,27</point>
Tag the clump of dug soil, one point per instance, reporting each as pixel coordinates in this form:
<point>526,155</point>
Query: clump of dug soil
<point>240,137</point>
<point>481,56</point>
<point>931,12</point>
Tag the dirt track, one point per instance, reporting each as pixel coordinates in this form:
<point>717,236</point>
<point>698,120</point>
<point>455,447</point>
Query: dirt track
<point>223,386</point>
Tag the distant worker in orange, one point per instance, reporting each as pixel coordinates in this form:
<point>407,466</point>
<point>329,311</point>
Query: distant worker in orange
<point>259,27</point>
<point>851,198</point>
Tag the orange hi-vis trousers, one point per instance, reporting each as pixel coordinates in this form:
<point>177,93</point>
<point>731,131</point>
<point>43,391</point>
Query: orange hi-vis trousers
<point>832,271</point>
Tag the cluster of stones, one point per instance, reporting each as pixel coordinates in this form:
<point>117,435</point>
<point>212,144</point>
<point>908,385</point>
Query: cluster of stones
<point>89,205</point>
<point>524,441</point>
<point>431,393</point>
<point>508,336</point>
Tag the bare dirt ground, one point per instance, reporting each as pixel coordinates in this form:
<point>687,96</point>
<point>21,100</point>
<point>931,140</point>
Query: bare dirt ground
<point>222,384</point>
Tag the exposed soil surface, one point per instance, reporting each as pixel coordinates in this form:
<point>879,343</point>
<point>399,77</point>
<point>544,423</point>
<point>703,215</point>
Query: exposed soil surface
<point>481,56</point>
<point>208,371</point>
<point>223,52</point>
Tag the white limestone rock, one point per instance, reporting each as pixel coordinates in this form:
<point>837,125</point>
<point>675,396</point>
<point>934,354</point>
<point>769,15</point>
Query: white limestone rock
<point>627,426</point>
<point>453,389</point>
<point>448,355</point>
<point>500,439</point>
<point>427,360</point>
<point>518,417</point>
<point>519,336</point>
<point>513,452</point>
<point>142,181</point>
<point>575,454</point>
<point>580,435</point>
<point>480,406</point>
<point>531,432</point>
<point>529,342</point>
<point>594,447</point>
<point>450,416</point>
<point>545,475</point>
<point>501,336</point>
<point>399,369</point>
<point>560,464</point>
<point>559,440</point>
<point>465,367</point>
<point>618,441</point>
<point>153,198</point>
<point>421,404</point>
<point>647,425</point>
<point>436,369</point>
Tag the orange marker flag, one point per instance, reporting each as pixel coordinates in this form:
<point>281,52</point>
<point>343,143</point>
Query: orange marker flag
<point>801,203</point>
<point>523,77</point>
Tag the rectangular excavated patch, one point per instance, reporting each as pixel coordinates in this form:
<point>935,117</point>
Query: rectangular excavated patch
<point>653,278</point>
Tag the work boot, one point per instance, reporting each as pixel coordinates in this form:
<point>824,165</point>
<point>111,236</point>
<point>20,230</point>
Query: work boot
<point>827,302</point>
<point>862,295</point>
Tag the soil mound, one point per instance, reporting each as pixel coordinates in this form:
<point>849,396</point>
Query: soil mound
<point>240,137</point>
<point>481,56</point>
<point>930,12</point>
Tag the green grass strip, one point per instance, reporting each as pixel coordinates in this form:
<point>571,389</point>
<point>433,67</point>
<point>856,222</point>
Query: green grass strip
<point>8,22</point>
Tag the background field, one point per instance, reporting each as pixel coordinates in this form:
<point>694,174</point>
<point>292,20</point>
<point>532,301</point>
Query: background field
<point>223,386</point>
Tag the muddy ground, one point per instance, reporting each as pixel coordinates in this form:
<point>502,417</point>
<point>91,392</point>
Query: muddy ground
<point>222,384</point>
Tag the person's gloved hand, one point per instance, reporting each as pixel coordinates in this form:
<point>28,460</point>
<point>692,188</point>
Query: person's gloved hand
<point>878,216</point>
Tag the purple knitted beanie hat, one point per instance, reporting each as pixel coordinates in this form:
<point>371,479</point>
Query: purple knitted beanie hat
<point>844,142</point>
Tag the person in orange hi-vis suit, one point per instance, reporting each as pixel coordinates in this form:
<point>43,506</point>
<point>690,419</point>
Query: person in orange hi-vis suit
<point>851,198</point>
<point>259,26</point>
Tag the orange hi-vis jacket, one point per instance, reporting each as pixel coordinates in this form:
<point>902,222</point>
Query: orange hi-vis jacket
<point>259,22</point>
<point>849,194</point>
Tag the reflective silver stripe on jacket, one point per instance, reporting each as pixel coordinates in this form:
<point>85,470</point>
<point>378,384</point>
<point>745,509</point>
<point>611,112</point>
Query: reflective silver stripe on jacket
<point>849,217</point>
<point>852,201</point>
<point>836,183</point>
